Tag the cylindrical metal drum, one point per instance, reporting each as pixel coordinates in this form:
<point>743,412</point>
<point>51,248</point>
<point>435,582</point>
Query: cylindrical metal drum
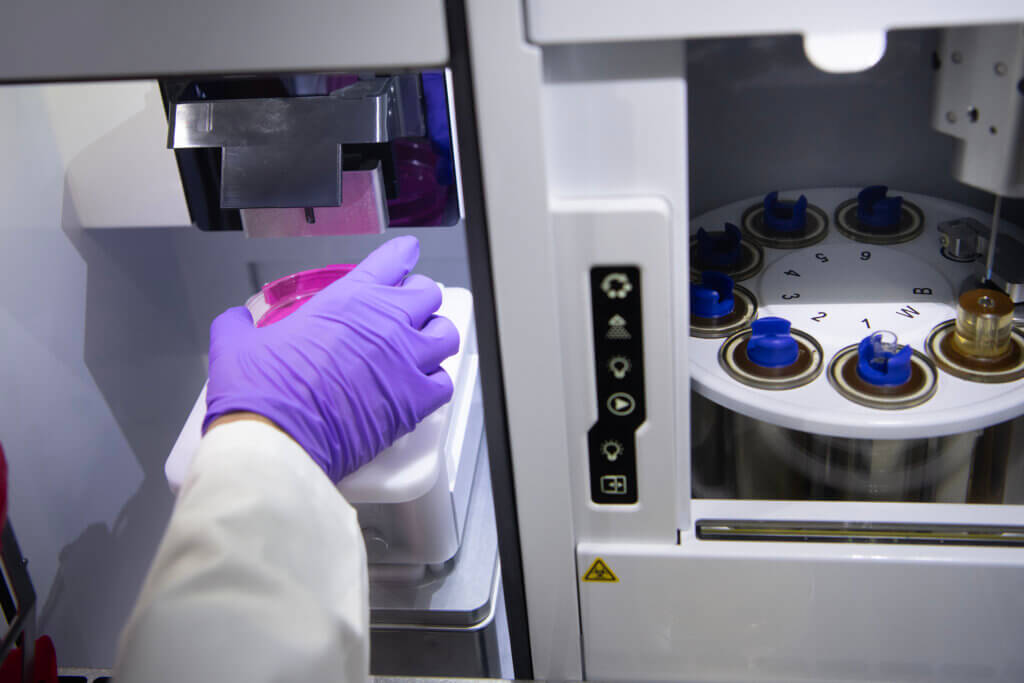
<point>714,471</point>
<point>735,456</point>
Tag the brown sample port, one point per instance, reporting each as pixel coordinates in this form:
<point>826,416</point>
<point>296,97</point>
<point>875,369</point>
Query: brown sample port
<point>754,228</point>
<point>911,224</point>
<point>733,358</point>
<point>743,312</point>
<point>843,375</point>
<point>750,262</point>
<point>981,344</point>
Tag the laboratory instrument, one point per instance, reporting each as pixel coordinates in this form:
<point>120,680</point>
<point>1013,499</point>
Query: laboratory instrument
<point>745,283</point>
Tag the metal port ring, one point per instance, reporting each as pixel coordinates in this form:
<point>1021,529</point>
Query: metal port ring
<point>919,388</point>
<point>742,315</point>
<point>750,262</point>
<point>752,224</point>
<point>732,357</point>
<point>911,224</point>
<point>954,365</point>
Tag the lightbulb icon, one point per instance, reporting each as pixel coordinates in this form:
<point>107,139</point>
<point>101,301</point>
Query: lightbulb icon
<point>619,366</point>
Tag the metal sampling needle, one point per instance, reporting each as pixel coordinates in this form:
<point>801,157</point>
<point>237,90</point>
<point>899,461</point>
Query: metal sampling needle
<point>990,258</point>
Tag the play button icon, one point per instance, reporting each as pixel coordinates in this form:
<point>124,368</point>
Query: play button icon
<point>620,403</point>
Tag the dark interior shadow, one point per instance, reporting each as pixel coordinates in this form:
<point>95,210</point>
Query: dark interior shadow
<point>761,117</point>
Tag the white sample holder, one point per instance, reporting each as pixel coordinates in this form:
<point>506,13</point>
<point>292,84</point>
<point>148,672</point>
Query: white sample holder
<point>412,498</point>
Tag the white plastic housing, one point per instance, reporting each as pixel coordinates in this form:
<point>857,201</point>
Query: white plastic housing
<point>767,611</point>
<point>412,498</point>
<point>102,39</point>
<point>586,21</point>
<point>112,141</point>
<point>615,113</point>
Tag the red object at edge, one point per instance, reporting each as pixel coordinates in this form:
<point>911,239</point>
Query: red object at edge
<point>3,488</point>
<point>44,668</point>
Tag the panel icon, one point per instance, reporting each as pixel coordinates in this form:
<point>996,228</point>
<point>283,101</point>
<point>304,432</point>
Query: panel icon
<point>614,484</point>
<point>621,404</point>
<point>617,328</point>
<point>611,450</point>
<point>616,285</point>
<point>619,366</point>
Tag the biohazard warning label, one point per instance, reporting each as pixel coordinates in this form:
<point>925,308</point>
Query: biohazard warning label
<point>599,571</point>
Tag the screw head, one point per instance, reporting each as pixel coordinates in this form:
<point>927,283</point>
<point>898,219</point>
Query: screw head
<point>951,117</point>
<point>957,57</point>
<point>1001,68</point>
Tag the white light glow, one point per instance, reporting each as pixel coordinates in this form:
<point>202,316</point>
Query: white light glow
<point>845,52</point>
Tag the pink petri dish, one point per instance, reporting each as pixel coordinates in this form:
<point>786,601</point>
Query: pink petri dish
<point>280,298</point>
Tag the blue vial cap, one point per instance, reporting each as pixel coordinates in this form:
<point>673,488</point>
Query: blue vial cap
<point>881,361</point>
<point>781,216</point>
<point>771,345</point>
<point>712,297</point>
<point>719,249</point>
<point>876,210</point>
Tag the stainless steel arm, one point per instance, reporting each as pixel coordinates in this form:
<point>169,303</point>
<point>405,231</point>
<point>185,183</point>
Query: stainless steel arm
<point>286,152</point>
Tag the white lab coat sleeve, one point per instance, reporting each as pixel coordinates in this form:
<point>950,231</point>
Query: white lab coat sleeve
<point>261,574</point>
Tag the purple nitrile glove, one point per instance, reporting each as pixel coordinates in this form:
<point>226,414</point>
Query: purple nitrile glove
<point>348,373</point>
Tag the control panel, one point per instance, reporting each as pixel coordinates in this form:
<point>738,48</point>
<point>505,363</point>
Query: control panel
<point>615,295</point>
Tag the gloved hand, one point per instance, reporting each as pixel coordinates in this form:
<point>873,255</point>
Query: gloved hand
<point>348,373</point>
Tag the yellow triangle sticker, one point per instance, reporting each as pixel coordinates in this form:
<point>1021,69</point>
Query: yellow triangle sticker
<point>599,571</point>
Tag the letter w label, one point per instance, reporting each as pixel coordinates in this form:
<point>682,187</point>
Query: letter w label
<point>908,312</point>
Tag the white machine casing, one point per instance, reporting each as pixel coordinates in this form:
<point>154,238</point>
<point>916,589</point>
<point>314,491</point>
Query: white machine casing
<point>412,498</point>
<point>595,172</point>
